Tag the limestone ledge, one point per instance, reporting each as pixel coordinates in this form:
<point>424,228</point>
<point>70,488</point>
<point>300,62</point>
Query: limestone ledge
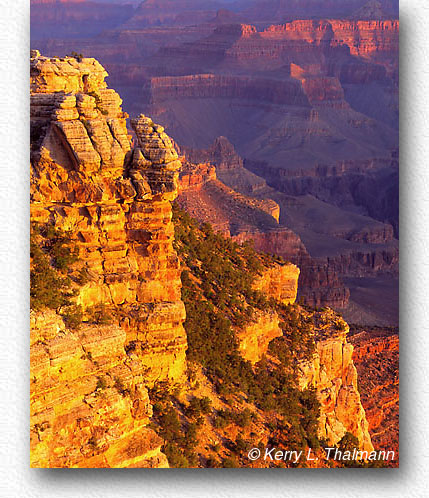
<point>65,74</point>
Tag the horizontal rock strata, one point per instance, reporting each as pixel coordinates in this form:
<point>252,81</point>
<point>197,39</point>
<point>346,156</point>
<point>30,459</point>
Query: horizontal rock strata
<point>114,199</point>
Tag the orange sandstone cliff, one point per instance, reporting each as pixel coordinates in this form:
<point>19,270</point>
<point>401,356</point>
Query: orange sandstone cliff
<point>333,374</point>
<point>115,200</point>
<point>281,283</point>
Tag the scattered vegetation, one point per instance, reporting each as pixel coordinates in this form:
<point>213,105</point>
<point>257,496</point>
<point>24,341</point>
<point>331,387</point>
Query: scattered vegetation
<point>217,292</point>
<point>99,315</point>
<point>52,254</point>
<point>76,55</point>
<point>54,276</point>
<point>179,432</point>
<point>120,387</point>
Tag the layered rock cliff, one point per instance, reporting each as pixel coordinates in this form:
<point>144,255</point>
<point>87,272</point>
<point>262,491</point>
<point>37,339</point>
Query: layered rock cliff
<point>89,403</point>
<point>114,199</point>
<point>332,373</point>
<point>361,37</point>
<point>166,88</point>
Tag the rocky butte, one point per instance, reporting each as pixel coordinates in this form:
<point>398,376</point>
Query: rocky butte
<point>108,195</point>
<point>115,200</point>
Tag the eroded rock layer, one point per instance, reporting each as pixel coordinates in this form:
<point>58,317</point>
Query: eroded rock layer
<point>333,374</point>
<point>89,403</point>
<point>115,201</point>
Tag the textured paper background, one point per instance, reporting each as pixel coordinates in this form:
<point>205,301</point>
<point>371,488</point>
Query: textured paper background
<point>411,480</point>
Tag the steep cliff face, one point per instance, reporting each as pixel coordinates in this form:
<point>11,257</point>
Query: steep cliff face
<point>279,282</point>
<point>376,356</point>
<point>330,369</point>
<point>115,202</point>
<point>161,89</point>
<point>361,37</point>
<point>333,374</point>
<point>89,404</point>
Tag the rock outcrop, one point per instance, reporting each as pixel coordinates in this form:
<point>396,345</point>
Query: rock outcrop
<point>115,201</point>
<point>255,337</point>
<point>279,282</point>
<point>333,374</point>
<point>89,403</point>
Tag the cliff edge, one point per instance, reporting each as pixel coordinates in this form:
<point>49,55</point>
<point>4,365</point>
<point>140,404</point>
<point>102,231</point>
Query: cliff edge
<point>113,199</point>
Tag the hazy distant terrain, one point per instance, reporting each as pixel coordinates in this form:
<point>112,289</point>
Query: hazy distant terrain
<point>306,93</point>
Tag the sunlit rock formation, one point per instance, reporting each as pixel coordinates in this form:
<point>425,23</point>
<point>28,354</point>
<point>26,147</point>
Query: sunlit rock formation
<point>115,201</point>
<point>333,374</point>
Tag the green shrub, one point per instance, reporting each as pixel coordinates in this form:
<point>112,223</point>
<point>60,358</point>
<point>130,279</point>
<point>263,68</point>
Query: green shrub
<point>83,276</point>
<point>120,387</point>
<point>48,289</point>
<point>101,383</point>
<point>73,316</point>
<point>198,406</point>
<point>76,55</point>
<point>99,314</point>
<point>52,254</point>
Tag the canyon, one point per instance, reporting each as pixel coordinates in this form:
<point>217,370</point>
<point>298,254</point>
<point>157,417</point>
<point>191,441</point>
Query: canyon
<point>299,116</point>
<point>329,245</point>
<point>102,193</point>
